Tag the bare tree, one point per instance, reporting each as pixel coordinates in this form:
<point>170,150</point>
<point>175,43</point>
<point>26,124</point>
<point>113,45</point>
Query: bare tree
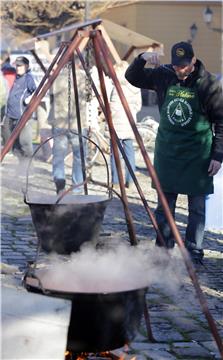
<point>32,17</point>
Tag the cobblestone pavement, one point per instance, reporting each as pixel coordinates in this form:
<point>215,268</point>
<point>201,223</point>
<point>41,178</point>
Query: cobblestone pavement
<point>178,324</point>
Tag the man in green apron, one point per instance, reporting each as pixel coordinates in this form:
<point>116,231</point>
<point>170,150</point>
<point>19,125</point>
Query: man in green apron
<point>189,143</point>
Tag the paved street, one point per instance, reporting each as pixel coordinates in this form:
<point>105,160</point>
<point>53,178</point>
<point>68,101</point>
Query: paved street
<point>178,324</point>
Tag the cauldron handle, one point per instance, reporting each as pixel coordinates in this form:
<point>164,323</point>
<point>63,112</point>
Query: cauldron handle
<point>34,276</point>
<point>65,192</point>
<point>25,191</point>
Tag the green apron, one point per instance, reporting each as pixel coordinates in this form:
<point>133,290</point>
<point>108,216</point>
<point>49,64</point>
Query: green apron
<point>183,144</point>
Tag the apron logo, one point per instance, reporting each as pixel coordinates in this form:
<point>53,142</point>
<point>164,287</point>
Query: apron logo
<point>179,112</point>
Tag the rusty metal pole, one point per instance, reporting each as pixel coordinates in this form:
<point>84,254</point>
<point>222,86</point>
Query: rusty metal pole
<point>139,189</point>
<point>115,140</point>
<point>81,145</point>
<point>39,62</point>
<point>148,210</point>
<point>91,81</point>
<point>148,322</point>
<point>151,170</point>
<point>50,68</point>
<point>128,215</point>
<point>40,93</point>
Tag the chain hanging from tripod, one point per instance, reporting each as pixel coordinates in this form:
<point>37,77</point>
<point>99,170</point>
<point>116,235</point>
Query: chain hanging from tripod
<point>89,64</point>
<point>69,65</point>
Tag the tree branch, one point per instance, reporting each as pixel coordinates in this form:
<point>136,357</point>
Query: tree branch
<point>31,16</point>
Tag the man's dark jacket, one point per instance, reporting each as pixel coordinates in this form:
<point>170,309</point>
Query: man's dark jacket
<point>208,87</point>
<point>22,88</point>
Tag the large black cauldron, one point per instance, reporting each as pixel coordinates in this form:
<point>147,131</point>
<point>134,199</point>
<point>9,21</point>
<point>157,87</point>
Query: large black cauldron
<point>64,227</point>
<point>100,321</point>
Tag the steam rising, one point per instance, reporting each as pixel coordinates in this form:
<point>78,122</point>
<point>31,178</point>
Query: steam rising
<point>112,270</point>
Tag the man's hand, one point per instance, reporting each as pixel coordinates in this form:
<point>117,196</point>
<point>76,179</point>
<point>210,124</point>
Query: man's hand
<point>151,57</point>
<point>2,121</point>
<point>214,167</point>
<point>28,99</point>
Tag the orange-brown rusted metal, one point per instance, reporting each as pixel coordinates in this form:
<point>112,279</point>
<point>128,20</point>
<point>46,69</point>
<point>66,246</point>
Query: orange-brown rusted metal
<point>36,99</point>
<point>145,203</point>
<point>76,95</point>
<point>128,215</point>
<point>101,51</point>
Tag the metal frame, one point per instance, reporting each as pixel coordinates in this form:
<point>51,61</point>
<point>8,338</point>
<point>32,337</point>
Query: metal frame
<point>64,55</point>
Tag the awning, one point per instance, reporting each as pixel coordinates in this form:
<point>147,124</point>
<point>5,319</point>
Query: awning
<point>131,38</point>
<point>110,30</point>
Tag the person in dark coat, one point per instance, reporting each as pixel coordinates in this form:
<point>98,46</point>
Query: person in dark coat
<point>18,99</point>
<point>189,143</point>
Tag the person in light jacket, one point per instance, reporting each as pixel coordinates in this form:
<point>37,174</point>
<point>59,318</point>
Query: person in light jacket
<point>63,118</point>
<point>121,122</point>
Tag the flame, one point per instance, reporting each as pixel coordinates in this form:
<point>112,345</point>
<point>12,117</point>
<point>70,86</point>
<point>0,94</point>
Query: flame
<point>104,354</point>
<point>67,355</point>
<point>85,355</point>
<point>126,356</point>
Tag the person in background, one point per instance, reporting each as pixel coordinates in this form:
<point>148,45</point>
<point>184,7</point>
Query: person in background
<point>8,71</point>
<point>189,143</point>
<point>121,122</point>
<point>94,113</point>
<point>42,112</point>
<point>63,118</point>
<point>18,99</point>
<point>8,74</point>
<point>3,94</point>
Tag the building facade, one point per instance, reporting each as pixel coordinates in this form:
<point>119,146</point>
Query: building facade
<point>171,21</point>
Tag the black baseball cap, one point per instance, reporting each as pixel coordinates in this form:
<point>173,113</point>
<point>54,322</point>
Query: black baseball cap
<point>21,60</point>
<point>181,53</point>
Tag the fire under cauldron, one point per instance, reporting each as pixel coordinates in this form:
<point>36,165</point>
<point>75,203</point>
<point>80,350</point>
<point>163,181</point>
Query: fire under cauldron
<point>63,227</point>
<point>99,321</point>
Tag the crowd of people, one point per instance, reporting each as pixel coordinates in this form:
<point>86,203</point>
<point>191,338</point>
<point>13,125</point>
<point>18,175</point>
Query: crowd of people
<point>56,115</point>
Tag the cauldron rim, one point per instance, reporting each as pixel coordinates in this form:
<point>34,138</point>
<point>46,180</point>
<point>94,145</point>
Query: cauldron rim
<point>70,199</point>
<point>56,292</point>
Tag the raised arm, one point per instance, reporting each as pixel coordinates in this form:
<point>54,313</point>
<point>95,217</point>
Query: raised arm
<point>142,77</point>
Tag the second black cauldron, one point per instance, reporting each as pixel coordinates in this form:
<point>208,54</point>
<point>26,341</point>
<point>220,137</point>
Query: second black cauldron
<point>99,321</point>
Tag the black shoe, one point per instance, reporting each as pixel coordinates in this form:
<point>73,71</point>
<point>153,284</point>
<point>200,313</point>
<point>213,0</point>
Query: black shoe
<point>196,255</point>
<point>129,185</point>
<point>60,185</point>
<point>196,261</point>
<point>198,264</point>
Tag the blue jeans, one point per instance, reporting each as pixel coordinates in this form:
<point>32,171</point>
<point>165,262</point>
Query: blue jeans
<point>195,227</point>
<point>127,145</point>
<point>60,150</point>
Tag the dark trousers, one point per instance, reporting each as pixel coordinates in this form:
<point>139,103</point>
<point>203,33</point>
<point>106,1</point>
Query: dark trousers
<point>23,146</point>
<point>195,224</point>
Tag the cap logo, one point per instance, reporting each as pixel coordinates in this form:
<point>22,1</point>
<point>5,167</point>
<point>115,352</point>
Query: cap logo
<point>180,52</point>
